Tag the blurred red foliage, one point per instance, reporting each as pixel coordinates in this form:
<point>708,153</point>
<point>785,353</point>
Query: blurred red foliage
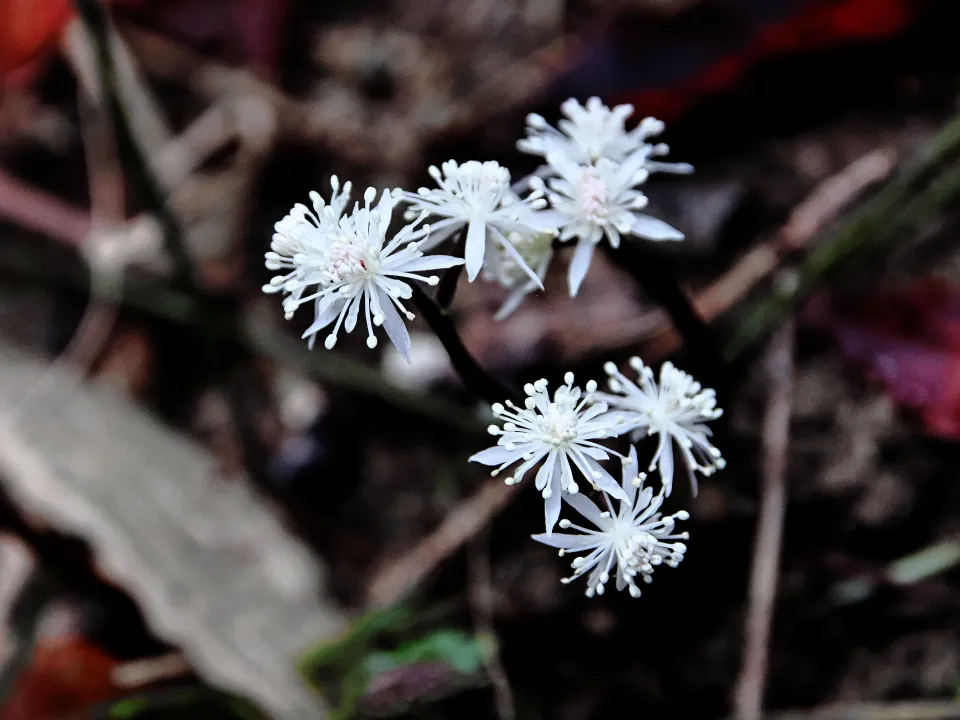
<point>66,676</point>
<point>29,32</point>
<point>908,339</point>
<point>815,24</point>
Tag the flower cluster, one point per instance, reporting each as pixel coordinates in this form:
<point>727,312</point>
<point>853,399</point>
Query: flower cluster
<point>344,261</point>
<point>587,190</point>
<point>350,264</point>
<point>563,436</point>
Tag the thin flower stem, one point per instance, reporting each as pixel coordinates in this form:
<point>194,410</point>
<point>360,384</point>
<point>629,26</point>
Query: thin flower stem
<point>448,287</point>
<point>474,377</point>
<point>660,283</point>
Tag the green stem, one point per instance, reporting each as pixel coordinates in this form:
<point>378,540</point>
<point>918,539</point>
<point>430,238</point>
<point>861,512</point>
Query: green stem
<point>895,211</point>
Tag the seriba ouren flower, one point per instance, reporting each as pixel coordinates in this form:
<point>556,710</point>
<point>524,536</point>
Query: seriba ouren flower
<point>625,543</point>
<point>561,432</point>
<point>593,131</point>
<point>477,196</point>
<point>676,409</point>
<point>597,201</point>
<point>500,267</point>
<point>352,267</point>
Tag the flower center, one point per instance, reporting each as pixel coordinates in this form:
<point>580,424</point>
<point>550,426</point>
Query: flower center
<point>481,186</point>
<point>592,196</point>
<point>632,546</point>
<point>558,425</point>
<point>349,260</point>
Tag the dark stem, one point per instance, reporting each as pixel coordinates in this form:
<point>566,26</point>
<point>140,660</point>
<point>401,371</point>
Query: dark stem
<point>448,287</point>
<point>95,19</point>
<point>659,282</point>
<point>448,283</point>
<point>474,377</point>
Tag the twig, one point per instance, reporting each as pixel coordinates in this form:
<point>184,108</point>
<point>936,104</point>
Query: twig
<point>79,49</point>
<point>901,206</point>
<point>35,210</point>
<point>748,698</point>
<point>809,218</point>
<point>140,673</point>
<point>474,377</point>
<point>397,576</point>
<point>909,710</point>
<point>480,596</point>
<point>95,18</point>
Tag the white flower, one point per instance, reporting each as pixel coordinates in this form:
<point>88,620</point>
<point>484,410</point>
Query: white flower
<point>635,539</point>
<point>676,409</point>
<point>477,196</point>
<point>351,264</point>
<point>499,266</point>
<point>560,431</point>
<point>304,234</point>
<point>595,131</point>
<point>593,201</point>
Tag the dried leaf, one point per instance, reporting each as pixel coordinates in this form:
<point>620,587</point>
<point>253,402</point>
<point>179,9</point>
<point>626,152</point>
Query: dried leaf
<point>212,568</point>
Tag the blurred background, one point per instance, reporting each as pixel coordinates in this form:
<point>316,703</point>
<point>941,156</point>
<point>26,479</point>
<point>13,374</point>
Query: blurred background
<point>203,519</point>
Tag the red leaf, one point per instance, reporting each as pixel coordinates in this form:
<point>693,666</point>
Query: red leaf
<point>30,30</point>
<point>909,340</point>
<point>66,676</point>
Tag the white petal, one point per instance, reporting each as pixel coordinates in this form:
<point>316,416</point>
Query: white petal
<point>511,250</point>
<point>393,324</point>
<point>547,220</point>
<point>652,229</point>
<point>579,265</point>
<point>631,469</point>
<point>585,506</point>
<point>562,541</point>
<point>605,480</point>
<point>475,247</point>
<point>495,456</point>
<point>666,465</point>
<point>595,453</point>
<point>546,473</point>
<point>351,322</point>
<point>429,262</point>
<point>551,509</point>
<point>513,301</point>
<point>328,312</point>
<point>694,488</point>
<point>566,472</point>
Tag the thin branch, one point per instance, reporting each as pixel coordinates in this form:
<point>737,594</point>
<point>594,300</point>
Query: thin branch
<point>909,710</point>
<point>97,23</point>
<point>748,698</point>
<point>905,203</point>
<point>35,210</point>
<point>480,597</point>
<point>474,377</point>
<point>399,575</point>
<point>809,218</point>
